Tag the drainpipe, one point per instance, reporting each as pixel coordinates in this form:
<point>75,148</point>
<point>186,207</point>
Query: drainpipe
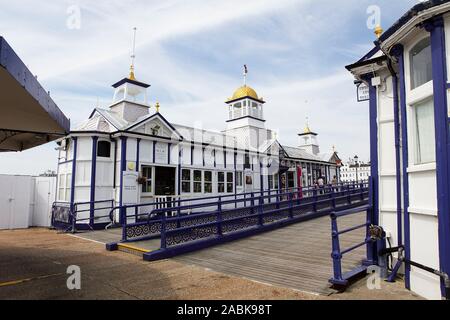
<point>397,153</point>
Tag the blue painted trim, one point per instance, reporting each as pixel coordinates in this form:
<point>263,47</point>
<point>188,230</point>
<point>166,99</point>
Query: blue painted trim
<point>261,178</point>
<point>93,177</point>
<point>169,146</point>
<point>225,157</point>
<point>436,29</point>
<point>203,155</point>
<point>123,167</point>
<point>398,177</point>
<point>154,151</point>
<point>138,153</point>
<point>74,172</point>
<point>180,160</point>
<point>404,135</point>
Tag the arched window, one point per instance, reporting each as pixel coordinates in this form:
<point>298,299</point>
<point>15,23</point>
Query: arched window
<point>420,62</point>
<point>104,149</point>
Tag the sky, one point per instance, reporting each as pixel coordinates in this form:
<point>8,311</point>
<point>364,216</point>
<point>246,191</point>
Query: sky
<point>192,53</point>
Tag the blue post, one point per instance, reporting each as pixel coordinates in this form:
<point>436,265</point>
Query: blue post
<point>333,197</point>
<point>336,252</point>
<point>371,245</point>
<point>291,199</point>
<point>315,200</point>
<point>163,230</point>
<point>93,176</point>
<point>260,212</point>
<point>219,217</point>
<point>252,203</point>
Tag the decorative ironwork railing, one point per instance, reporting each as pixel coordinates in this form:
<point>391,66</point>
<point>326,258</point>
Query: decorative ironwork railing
<point>188,224</point>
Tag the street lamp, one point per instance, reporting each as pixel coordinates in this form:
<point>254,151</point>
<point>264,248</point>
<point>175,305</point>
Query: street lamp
<point>356,167</point>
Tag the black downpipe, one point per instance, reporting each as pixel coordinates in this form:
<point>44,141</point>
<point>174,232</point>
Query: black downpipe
<point>397,153</point>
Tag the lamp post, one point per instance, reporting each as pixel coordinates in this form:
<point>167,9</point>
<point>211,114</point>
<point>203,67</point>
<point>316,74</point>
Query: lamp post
<point>356,167</point>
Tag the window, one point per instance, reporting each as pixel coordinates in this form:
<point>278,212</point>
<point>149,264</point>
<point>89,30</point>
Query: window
<point>271,186</point>
<point>208,181</point>
<point>239,182</point>
<point>221,182</point>
<point>61,187</point>
<point>247,161</point>
<point>104,149</point>
<point>420,62</point>
<point>186,181</point>
<point>229,182</point>
<point>147,174</point>
<point>64,186</point>
<point>68,186</point>
<point>197,181</point>
<point>425,151</point>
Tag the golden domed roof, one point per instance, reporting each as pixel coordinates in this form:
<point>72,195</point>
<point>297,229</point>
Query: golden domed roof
<point>243,92</point>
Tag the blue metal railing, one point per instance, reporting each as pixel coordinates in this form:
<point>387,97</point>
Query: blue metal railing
<point>339,278</point>
<point>65,217</point>
<point>203,222</point>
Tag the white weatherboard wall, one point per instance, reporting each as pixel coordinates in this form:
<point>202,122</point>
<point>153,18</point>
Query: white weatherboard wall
<point>26,201</point>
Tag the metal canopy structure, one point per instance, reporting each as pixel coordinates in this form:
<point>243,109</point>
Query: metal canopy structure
<point>28,116</point>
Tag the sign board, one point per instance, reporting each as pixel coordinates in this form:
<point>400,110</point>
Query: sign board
<point>363,92</point>
<point>161,152</point>
<point>130,191</point>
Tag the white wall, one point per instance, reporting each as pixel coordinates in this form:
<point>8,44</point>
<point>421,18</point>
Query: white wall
<point>26,201</point>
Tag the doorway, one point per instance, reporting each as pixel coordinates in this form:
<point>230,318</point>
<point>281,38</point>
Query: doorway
<point>165,181</point>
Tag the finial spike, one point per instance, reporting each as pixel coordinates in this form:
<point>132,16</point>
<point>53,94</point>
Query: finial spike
<point>245,74</point>
<point>133,56</point>
<point>378,31</point>
<point>157,106</point>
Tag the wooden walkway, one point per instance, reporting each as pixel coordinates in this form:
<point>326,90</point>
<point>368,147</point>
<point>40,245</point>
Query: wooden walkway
<point>297,257</point>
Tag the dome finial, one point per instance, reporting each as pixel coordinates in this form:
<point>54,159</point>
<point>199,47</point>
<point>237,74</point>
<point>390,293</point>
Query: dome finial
<point>307,129</point>
<point>378,31</point>
<point>133,56</point>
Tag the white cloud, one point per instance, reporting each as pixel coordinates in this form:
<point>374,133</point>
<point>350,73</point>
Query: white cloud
<point>78,66</point>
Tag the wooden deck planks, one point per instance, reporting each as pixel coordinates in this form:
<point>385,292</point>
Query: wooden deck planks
<point>297,256</point>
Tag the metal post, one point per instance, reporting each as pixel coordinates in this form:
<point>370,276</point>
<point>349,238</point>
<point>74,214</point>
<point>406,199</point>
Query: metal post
<point>371,245</point>
<point>252,203</point>
<point>163,231</point>
<point>336,251</point>
<point>315,200</point>
<point>219,217</point>
<point>291,200</point>
<point>260,211</point>
<point>349,197</point>
<point>333,197</point>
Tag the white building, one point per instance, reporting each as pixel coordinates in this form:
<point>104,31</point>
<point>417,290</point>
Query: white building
<point>128,143</point>
<point>407,74</point>
<point>355,172</point>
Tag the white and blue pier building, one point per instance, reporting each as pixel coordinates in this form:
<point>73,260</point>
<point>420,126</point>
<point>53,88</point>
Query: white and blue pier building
<point>129,153</point>
<point>407,74</point>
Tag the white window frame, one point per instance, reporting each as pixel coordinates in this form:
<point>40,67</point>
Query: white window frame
<point>152,180</point>
<point>414,97</point>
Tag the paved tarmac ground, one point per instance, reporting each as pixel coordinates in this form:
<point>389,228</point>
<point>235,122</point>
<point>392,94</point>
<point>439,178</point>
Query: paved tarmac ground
<point>33,265</point>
